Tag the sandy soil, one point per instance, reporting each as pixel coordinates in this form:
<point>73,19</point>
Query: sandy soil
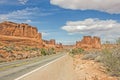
<point>90,70</point>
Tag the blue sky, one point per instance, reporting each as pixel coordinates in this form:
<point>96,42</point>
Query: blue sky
<point>66,20</point>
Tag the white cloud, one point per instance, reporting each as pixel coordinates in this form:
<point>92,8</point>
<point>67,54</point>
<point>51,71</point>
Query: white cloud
<point>19,14</point>
<point>23,1</point>
<point>23,15</point>
<point>107,29</point>
<point>110,6</point>
<point>45,33</point>
<point>28,21</point>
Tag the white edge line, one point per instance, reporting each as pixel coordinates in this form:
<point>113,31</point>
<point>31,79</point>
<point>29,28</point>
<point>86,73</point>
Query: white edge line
<point>38,68</point>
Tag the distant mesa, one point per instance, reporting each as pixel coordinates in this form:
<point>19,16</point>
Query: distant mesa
<point>89,42</point>
<point>51,43</point>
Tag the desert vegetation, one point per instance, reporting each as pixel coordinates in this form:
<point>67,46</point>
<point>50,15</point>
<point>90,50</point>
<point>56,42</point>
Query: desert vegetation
<point>76,51</point>
<point>109,57</point>
<point>13,52</point>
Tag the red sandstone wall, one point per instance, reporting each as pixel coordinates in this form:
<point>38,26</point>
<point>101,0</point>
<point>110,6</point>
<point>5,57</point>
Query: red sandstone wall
<point>89,43</point>
<point>19,30</point>
<point>20,34</point>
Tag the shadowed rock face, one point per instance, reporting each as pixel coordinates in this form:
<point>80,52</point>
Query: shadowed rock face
<point>19,30</point>
<point>89,43</point>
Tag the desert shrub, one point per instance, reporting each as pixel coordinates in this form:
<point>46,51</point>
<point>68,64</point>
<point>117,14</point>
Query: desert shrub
<point>34,49</point>
<point>111,60</point>
<point>76,51</point>
<point>91,55</point>
<point>51,51</point>
<point>109,57</point>
<point>26,48</point>
<point>9,48</point>
<point>43,52</point>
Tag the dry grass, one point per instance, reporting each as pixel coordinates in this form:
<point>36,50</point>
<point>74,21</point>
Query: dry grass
<point>111,60</point>
<point>109,57</point>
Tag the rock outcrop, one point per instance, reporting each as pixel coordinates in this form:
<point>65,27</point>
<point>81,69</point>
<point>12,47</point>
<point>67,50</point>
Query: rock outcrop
<point>19,30</point>
<point>52,44</point>
<point>19,41</point>
<point>89,43</point>
<point>20,34</point>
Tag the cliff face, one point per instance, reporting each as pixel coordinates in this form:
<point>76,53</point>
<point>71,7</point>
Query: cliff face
<point>19,30</point>
<point>20,34</point>
<point>89,43</point>
<point>19,41</point>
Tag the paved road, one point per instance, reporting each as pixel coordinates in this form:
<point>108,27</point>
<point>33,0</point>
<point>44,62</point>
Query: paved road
<point>12,70</point>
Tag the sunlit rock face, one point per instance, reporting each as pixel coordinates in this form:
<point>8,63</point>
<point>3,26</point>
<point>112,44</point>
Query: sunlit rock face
<point>20,30</point>
<point>20,34</point>
<point>89,42</point>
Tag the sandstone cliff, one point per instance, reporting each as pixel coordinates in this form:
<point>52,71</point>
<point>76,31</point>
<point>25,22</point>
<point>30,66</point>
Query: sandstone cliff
<point>20,34</point>
<point>19,30</point>
<point>19,41</point>
<point>89,43</point>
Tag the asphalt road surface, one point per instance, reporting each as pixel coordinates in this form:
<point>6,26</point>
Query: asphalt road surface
<point>12,70</point>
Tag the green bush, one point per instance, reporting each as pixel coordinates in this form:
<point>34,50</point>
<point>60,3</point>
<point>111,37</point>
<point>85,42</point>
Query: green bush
<point>51,51</point>
<point>76,51</point>
<point>27,48</point>
<point>44,51</point>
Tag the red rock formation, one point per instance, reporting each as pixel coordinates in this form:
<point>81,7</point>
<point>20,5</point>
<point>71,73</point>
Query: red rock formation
<point>59,46</point>
<point>89,43</point>
<point>96,42</point>
<point>49,44</point>
<point>20,34</point>
<point>52,42</point>
<point>19,30</point>
<point>25,39</point>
